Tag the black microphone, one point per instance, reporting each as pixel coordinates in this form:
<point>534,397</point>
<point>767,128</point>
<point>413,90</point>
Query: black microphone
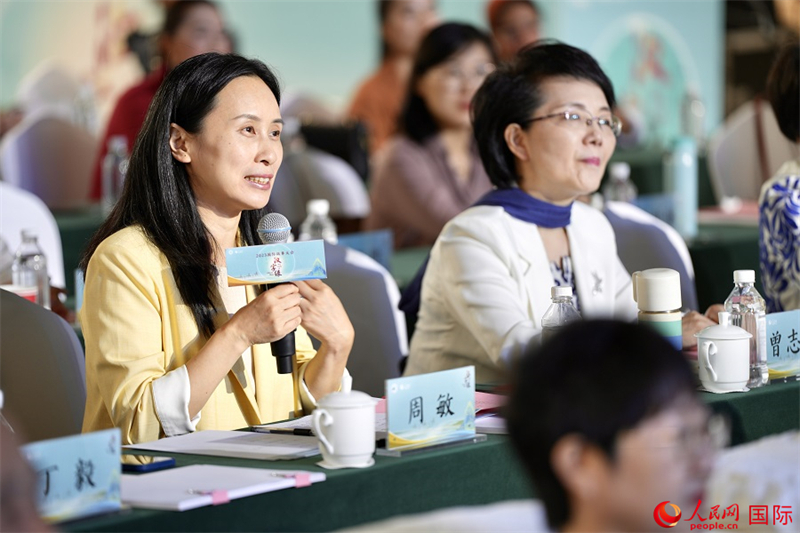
<point>274,228</point>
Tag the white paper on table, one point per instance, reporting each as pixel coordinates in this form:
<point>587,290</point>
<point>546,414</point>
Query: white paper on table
<point>491,424</point>
<point>303,422</point>
<point>249,445</point>
<point>189,487</point>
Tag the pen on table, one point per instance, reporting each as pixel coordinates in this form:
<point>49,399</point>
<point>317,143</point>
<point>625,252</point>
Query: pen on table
<point>305,432</point>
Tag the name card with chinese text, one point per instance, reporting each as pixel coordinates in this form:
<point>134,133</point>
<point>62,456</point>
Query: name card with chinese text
<point>430,408</point>
<point>78,475</point>
<point>276,263</point>
<point>783,344</point>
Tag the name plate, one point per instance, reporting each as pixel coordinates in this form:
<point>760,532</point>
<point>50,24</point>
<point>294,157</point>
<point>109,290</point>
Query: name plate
<point>276,263</point>
<point>783,344</point>
<point>77,475</point>
<point>430,408</point>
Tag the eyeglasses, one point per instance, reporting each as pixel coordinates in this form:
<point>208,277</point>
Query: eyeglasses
<point>576,118</point>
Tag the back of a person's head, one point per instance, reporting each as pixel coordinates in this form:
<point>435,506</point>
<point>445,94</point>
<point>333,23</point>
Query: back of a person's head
<point>511,95</point>
<point>439,45</point>
<point>594,379</point>
<point>783,90</point>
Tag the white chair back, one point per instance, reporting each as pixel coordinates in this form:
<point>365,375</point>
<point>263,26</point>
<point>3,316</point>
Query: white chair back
<point>733,160</point>
<point>20,210</point>
<point>370,297</point>
<point>50,157</point>
<point>644,241</point>
<point>42,372</point>
<point>309,174</point>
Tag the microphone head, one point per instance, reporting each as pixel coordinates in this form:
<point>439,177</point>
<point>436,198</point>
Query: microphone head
<point>274,228</point>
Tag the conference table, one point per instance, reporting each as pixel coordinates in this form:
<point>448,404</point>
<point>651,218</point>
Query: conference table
<point>472,474</point>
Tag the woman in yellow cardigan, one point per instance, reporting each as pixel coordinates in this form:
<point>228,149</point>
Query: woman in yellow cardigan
<point>170,348</point>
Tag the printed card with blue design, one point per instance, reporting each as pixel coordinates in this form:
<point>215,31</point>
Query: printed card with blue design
<point>783,344</point>
<point>275,263</point>
<point>78,475</point>
<point>430,408</point>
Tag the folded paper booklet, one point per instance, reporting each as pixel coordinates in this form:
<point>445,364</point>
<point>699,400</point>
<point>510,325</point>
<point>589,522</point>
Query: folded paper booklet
<point>189,487</point>
<point>267,446</point>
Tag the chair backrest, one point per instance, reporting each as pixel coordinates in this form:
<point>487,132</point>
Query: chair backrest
<point>309,174</point>
<point>42,372</point>
<point>20,210</point>
<point>370,296</point>
<point>733,160</point>
<point>643,242</point>
<point>50,157</point>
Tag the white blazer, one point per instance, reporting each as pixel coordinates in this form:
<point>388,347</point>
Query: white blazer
<point>488,283</point>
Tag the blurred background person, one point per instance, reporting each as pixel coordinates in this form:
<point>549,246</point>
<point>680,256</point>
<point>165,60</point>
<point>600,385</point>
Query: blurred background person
<point>432,171</point>
<point>191,27</point>
<point>514,24</point>
<point>545,132</point>
<point>626,437</point>
<point>779,203</point>
<point>379,98</point>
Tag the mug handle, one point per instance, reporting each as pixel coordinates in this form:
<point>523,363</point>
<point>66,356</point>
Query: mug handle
<point>707,349</point>
<point>317,425</point>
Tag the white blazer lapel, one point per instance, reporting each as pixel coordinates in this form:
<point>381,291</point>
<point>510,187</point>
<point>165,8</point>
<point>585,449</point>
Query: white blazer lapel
<point>590,270</point>
<point>536,277</point>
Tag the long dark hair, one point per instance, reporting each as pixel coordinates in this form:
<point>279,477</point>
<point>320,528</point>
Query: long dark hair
<point>157,195</point>
<point>442,43</point>
<point>511,94</point>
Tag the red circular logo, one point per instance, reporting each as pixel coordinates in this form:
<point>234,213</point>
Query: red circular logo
<point>662,518</point>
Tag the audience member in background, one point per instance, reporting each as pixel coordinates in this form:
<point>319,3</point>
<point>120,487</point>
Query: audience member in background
<point>170,347</point>
<point>432,171</point>
<point>545,132</point>
<point>606,440</point>
<point>514,24</point>
<point>779,202</point>
<point>379,99</point>
<point>191,27</point>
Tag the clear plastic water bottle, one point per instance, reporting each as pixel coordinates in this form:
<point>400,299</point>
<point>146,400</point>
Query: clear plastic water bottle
<point>620,188</point>
<point>30,268</point>
<point>115,165</point>
<point>318,225</point>
<point>748,311</point>
<point>560,313</point>
<point>693,116</point>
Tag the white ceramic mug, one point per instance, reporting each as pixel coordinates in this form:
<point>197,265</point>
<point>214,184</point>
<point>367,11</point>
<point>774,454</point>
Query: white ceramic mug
<point>723,356</point>
<point>344,423</point>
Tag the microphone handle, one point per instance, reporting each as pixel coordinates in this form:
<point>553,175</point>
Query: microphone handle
<point>283,349</point>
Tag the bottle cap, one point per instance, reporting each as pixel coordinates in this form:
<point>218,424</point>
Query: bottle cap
<point>563,290</point>
<point>620,170</point>
<point>319,207</point>
<point>744,276</point>
<point>657,289</point>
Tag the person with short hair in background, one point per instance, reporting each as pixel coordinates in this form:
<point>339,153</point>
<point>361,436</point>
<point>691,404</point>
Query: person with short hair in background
<point>545,130</point>
<point>191,27</point>
<point>171,347</point>
<point>779,201</point>
<point>431,171</point>
<point>514,24</point>
<point>379,98</point>
<point>606,420</point>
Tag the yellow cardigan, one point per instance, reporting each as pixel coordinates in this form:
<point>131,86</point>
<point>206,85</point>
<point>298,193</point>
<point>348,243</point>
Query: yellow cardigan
<point>137,329</point>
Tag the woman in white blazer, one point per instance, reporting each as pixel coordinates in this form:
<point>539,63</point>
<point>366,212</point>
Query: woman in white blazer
<point>545,132</point>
